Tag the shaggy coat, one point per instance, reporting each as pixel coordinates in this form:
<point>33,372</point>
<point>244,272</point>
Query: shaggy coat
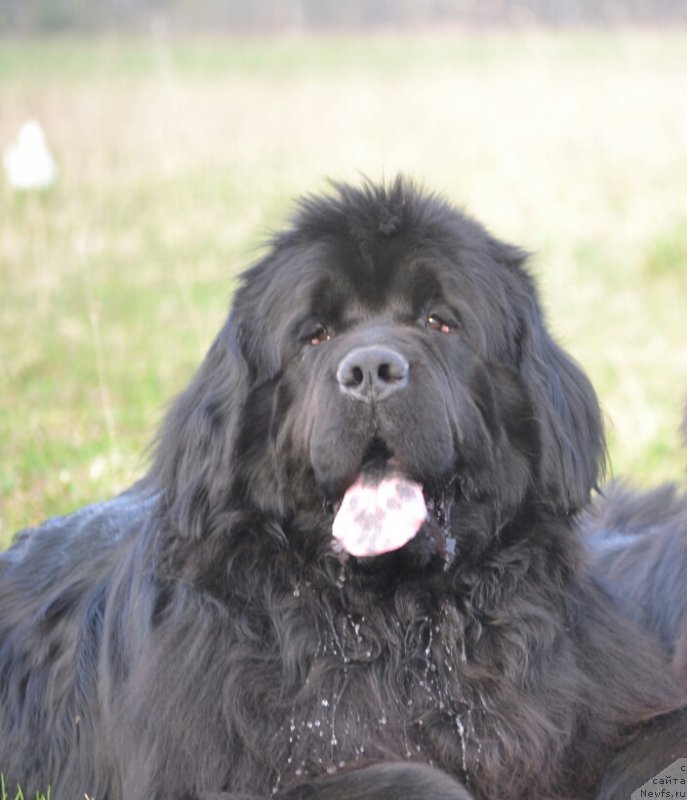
<point>639,545</point>
<point>201,637</point>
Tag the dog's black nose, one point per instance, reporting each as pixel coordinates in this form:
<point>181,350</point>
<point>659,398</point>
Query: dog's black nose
<point>372,373</point>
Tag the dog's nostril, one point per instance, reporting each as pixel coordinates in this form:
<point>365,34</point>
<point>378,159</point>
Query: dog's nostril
<point>390,373</point>
<point>356,377</point>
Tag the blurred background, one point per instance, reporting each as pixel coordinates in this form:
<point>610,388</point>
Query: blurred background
<point>165,138</point>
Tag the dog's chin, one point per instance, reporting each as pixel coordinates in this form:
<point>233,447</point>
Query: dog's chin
<point>428,551</point>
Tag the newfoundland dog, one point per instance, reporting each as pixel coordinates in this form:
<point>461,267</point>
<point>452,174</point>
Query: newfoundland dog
<point>356,567</point>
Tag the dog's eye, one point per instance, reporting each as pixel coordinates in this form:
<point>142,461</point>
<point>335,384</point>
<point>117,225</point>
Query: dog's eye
<point>436,323</point>
<point>319,335</point>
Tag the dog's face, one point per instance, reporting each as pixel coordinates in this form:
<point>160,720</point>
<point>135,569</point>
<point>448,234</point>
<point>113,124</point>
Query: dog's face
<point>394,360</point>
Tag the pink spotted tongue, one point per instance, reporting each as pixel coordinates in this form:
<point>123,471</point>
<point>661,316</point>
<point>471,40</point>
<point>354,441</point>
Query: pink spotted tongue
<point>379,513</point>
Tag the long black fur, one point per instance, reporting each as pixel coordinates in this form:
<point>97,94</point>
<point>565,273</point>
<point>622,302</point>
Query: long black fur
<point>198,637</point>
<point>639,550</point>
<point>639,545</point>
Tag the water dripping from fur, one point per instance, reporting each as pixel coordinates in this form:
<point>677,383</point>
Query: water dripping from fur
<point>437,687</point>
<point>316,743</point>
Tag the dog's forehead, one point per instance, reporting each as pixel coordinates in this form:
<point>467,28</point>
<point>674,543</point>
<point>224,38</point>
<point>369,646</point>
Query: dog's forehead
<point>336,264</point>
<point>396,275</point>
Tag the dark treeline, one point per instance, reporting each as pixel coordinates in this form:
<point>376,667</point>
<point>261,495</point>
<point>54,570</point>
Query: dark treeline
<point>258,16</point>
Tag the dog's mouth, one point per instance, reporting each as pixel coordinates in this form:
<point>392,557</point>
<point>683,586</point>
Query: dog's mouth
<point>384,511</point>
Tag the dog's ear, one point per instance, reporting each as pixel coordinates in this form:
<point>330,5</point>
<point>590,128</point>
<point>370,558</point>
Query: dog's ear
<point>572,446</point>
<point>200,464</point>
<point>254,319</point>
<point>572,450</point>
<point>194,456</point>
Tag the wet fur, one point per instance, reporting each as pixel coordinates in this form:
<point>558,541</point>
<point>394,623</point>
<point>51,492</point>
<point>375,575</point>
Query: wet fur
<point>197,637</point>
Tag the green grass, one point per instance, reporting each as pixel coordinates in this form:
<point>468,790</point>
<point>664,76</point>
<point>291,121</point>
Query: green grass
<point>176,158</point>
<point>19,794</point>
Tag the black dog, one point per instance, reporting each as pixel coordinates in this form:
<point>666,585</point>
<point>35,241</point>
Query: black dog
<point>354,569</point>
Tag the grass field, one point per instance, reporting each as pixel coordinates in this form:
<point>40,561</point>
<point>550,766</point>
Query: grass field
<point>176,158</point>
<point>12,793</point>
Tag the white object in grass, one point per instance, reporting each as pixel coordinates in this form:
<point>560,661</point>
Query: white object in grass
<point>29,164</point>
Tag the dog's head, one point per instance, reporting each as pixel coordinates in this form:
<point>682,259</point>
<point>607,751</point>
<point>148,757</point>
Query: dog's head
<point>385,365</point>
